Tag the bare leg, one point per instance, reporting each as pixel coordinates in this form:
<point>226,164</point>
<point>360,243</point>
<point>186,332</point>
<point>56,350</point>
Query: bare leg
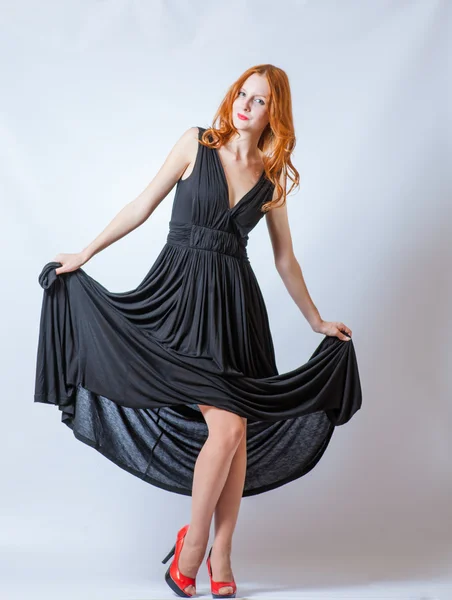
<point>226,515</point>
<point>212,467</point>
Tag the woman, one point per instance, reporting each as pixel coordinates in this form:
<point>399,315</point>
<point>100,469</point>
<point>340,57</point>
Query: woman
<point>176,381</point>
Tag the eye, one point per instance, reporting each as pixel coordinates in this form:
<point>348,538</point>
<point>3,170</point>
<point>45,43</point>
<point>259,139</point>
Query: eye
<point>258,99</point>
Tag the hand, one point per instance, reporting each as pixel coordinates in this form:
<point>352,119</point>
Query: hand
<point>334,328</point>
<point>70,262</point>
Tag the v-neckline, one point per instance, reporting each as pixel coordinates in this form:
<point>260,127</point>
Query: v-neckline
<point>226,185</point>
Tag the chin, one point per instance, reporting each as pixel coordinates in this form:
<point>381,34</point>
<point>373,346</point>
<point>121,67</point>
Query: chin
<point>241,124</point>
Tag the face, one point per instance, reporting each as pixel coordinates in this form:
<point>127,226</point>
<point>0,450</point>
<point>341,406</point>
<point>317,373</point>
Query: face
<point>252,102</point>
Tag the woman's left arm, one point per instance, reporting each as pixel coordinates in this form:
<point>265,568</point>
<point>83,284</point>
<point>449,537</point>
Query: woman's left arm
<point>290,272</point>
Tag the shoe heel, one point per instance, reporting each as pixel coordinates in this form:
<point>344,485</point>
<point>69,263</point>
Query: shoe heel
<point>176,580</point>
<point>168,556</point>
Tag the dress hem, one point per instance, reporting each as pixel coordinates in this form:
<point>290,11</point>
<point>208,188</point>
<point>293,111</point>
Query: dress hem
<point>182,491</point>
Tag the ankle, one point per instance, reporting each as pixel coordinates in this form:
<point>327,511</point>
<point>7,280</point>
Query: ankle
<point>196,539</point>
<point>223,548</point>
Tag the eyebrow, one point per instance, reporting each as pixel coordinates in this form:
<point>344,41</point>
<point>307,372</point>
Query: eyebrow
<point>263,96</point>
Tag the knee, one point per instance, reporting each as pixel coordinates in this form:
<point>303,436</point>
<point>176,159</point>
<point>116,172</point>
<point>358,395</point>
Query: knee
<point>229,435</point>
<point>228,429</point>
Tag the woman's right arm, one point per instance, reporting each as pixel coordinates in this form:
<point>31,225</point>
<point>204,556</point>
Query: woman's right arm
<point>136,212</point>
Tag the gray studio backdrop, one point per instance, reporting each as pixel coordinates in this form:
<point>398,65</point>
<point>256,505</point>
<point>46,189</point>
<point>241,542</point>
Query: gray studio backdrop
<point>94,96</point>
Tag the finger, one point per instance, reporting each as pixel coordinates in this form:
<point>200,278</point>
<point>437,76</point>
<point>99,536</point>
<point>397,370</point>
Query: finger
<point>345,329</point>
<point>345,335</point>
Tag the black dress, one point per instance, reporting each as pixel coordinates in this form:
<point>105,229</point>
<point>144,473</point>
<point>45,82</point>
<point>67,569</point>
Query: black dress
<point>128,369</point>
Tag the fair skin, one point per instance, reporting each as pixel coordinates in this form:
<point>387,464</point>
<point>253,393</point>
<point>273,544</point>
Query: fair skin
<point>220,468</point>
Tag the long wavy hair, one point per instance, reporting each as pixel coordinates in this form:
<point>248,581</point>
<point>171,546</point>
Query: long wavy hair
<point>277,141</point>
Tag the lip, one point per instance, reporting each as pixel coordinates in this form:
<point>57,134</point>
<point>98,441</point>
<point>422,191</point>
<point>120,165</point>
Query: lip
<point>243,117</point>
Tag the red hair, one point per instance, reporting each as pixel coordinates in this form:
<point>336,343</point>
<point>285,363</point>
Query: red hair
<point>278,138</point>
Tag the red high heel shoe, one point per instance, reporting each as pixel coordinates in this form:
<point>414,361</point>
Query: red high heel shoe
<point>173,577</point>
<point>216,585</point>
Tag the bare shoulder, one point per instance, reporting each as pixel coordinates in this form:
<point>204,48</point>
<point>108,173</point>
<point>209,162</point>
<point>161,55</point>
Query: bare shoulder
<point>278,214</point>
<point>181,155</point>
<point>187,147</point>
<point>176,164</point>
<point>277,220</point>
<point>189,135</point>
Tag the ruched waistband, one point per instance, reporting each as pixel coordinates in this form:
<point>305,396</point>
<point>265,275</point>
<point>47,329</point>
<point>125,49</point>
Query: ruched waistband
<point>207,238</point>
